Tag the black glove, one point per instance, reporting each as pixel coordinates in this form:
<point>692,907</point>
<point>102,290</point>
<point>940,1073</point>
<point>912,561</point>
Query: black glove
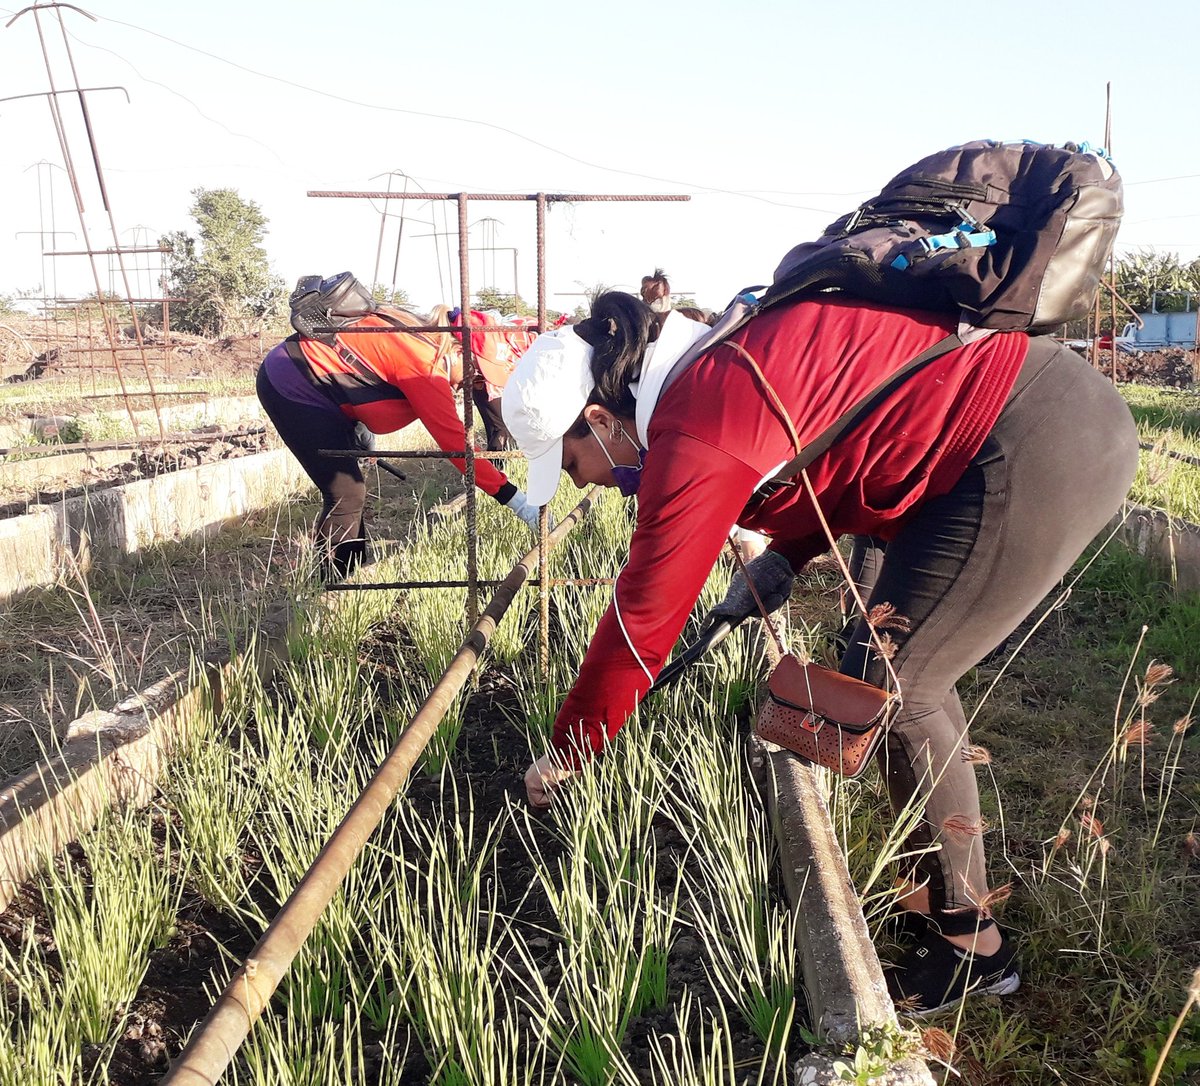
<point>772,576</point>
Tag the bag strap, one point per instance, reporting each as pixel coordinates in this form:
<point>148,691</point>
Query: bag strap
<point>860,410</point>
<point>742,310</point>
<point>798,465</point>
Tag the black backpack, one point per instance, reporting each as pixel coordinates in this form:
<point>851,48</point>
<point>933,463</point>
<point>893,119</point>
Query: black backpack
<point>1012,236</point>
<point>319,308</point>
<point>336,302</point>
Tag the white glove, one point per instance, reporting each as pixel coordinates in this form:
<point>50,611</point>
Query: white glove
<point>772,576</point>
<point>519,504</point>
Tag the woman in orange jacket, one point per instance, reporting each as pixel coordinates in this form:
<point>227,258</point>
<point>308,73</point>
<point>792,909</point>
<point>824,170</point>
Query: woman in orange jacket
<point>335,391</point>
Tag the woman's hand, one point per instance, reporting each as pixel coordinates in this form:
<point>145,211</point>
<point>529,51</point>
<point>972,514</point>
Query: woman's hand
<point>542,778</point>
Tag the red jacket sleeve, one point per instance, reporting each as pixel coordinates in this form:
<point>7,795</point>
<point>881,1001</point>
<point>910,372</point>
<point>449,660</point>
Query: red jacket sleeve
<point>690,496</point>
<point>433,401</point>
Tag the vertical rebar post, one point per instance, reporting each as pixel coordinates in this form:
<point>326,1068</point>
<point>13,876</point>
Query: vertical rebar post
<point>379,245</point>
<point>543,515</point>
<point>468,385</point>
<point>56,113</point>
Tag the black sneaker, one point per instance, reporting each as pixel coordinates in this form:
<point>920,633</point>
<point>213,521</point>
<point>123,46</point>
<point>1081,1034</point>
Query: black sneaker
<point>909,925</point>
<point>903,925</point>
<point>935,974</point>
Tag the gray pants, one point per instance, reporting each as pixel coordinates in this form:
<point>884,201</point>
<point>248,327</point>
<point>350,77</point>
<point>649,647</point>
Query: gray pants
<point>965,572</point>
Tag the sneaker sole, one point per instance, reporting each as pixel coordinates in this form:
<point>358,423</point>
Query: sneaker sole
<point>1004,986</point>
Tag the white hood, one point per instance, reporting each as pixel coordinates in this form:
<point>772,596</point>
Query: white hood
<point>677,335</point>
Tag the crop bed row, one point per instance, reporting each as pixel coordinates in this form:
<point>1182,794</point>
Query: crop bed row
<point>635,934</point>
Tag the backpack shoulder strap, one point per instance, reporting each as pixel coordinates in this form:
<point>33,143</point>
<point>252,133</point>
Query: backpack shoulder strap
<point>739,311</point>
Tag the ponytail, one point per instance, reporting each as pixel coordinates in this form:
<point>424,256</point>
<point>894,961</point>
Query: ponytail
<point>444,342</point>
<point>619,331</point>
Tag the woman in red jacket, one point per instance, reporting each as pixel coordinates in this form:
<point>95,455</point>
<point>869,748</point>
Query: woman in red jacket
<point>984,475</point>
<point>337,391</point>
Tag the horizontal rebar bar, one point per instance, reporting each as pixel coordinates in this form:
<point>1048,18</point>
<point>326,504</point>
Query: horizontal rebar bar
<point>219,1036</point>
<point>412,454</point>
<point>508,197</point>
<point>200,394</point>
<point>111,251</point>
<point>81,303</point>
<point>70,90</point>
<point>117,349</point>
<point>533,582</point>
<point>412,329</point>
<point>45,452</point>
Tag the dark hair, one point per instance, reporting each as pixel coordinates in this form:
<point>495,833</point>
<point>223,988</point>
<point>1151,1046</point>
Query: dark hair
<point>693,313</point>
<point>655,286</point>
<point>619,330</point>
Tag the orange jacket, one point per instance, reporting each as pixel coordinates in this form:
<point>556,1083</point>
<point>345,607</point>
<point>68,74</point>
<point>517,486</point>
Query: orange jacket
<point>388,380</point>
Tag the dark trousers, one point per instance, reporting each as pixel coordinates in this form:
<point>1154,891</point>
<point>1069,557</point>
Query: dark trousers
<point>341,533</point>
<point>965,572</point>
<point>498,437</point>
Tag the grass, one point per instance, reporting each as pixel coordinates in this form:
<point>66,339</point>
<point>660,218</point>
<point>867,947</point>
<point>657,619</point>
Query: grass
<point>1167,420</point>
<point>103,633</point>
<point>1091,790</point>
<point>637,934</point>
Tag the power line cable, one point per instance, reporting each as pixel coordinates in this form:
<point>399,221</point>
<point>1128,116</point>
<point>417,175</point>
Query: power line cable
<point>183,97</point>
<point>451,118</point>
<point>1161,180</point>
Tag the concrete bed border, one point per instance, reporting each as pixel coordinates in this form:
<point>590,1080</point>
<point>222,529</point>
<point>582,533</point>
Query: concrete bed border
<point>1169,542</point>
<point>115,757</point>
<point>51,541</point>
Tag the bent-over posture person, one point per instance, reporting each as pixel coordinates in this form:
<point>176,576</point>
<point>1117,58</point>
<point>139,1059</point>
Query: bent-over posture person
<point>984,475</point>
<point>324,393</point>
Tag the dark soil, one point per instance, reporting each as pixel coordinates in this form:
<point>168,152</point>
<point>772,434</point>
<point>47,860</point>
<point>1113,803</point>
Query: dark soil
<point>148,464</point>
<point>174,994</point>
<point>492,755</point>
<point>1174,368</point>
<point>491,758</point>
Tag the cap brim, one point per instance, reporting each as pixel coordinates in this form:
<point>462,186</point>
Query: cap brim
<point>544,472</point>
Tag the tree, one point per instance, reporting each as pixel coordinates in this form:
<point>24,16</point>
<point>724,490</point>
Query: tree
<point>224,276</point>
<point>509,304</point>
<point>490,298</point>
<point>386,295</point>
<point>1141,273</point>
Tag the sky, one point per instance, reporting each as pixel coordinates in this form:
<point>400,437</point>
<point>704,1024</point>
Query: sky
<point>775,117</point>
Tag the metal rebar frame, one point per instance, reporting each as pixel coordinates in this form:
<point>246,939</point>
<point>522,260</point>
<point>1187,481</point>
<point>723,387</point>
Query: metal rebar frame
<point>472,583</point>
<point>215,1041</point>
<point>80,92</point>
<point>51,450</point>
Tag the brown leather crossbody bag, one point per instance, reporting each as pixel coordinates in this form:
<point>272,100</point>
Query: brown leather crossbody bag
<point>829,719</point>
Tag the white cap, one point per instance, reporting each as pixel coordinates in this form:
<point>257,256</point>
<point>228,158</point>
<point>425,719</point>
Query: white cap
<point>541,401</point>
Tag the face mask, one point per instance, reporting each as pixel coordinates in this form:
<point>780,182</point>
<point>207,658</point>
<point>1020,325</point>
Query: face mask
<point>628,477</point>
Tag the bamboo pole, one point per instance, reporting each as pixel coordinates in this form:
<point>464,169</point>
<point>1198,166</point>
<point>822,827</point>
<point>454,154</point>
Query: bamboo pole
<point>213,1045</point>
